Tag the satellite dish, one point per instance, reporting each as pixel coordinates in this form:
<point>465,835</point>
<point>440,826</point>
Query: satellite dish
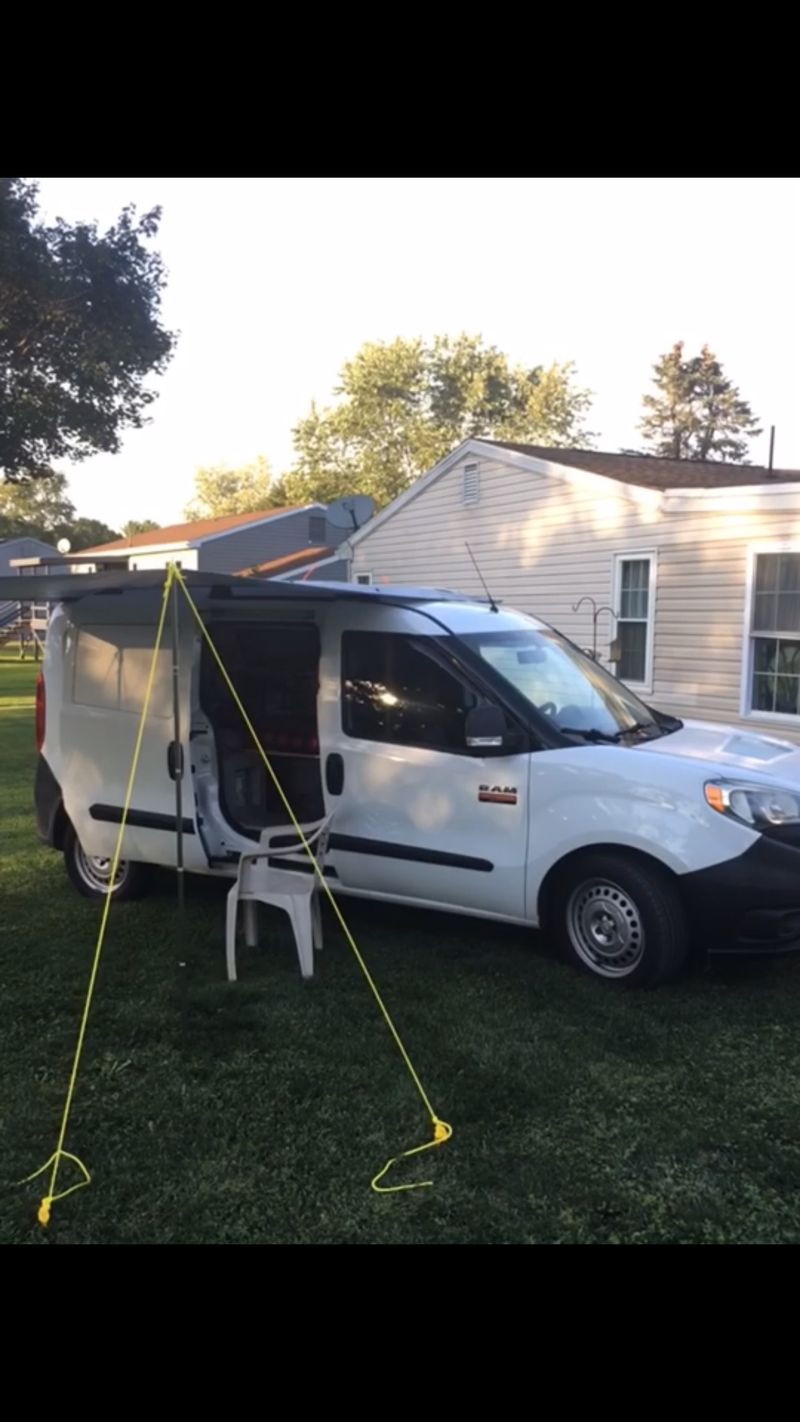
<point>351,512</point>
<point>63,545</point>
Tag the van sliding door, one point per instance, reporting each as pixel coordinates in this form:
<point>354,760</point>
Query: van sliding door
<point>275,669</point>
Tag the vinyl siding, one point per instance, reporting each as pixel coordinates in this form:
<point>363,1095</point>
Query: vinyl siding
<point>255,543</point>
<point>542,543</point>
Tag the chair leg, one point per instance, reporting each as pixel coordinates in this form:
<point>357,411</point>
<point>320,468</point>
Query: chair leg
<point>251,923</point>
<point>230,932</point>
<point>300,915</point>
<point>316,921</point>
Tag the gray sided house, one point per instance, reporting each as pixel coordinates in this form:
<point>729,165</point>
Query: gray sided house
<point>693,568</point>
<point>12,549</point>
<point>234,543</point>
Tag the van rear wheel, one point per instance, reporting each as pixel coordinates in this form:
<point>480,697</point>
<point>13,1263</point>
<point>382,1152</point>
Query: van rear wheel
<point>620,920</point>
<point>91,873</point>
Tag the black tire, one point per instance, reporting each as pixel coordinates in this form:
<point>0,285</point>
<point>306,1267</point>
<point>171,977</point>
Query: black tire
<point>619,919</point>
<point>86,874</point>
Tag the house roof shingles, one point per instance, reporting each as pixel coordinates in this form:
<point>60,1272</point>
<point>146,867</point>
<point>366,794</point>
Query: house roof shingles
<point>651,472</point>
<point>187,532</point>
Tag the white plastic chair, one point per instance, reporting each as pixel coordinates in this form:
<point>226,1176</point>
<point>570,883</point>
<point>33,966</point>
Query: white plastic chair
<point>297,894</point>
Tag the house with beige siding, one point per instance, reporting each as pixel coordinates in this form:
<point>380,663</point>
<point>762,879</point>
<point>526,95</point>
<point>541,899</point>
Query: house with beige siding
<point>696,566</point>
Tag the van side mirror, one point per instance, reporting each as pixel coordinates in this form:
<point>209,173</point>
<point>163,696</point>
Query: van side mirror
<point>485,728</point>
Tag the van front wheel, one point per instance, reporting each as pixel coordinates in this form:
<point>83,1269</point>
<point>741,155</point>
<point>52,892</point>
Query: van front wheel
<point>620,920</point>
<point>91,873</point>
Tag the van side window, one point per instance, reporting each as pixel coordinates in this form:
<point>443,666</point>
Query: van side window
<point>393,692</point>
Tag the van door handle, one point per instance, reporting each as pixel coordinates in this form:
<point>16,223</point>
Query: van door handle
<point>175,760</point>
<point>334,773</point>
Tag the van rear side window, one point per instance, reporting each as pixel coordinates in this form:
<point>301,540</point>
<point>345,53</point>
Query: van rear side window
<point>112,665</point>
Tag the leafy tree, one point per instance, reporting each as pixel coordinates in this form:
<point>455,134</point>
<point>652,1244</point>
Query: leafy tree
<point>404,405</point>
<point>87,533</point>
<point>80,332</point>
<point>697,412</point>
<point>41,508</point>
<point>138,525</point>
<point>37,509</point>
<point>220,490</point>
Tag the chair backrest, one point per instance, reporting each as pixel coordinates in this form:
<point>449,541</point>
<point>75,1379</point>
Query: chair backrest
<point>317,836</point>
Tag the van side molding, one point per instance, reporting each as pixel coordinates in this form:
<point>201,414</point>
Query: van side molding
<point>140,819</point>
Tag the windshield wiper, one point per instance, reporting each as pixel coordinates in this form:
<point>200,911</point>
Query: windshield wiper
<point>631,730</point>
<point>591,733</point>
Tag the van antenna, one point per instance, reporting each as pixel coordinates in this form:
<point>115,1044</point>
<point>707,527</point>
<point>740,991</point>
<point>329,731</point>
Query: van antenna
<point>491,601</point>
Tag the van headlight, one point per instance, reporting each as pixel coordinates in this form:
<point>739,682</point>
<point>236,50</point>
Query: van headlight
<point>754,804</point>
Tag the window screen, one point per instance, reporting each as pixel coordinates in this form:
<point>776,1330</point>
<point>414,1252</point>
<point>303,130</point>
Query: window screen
<point>775,631</point>
<point>633,623</point>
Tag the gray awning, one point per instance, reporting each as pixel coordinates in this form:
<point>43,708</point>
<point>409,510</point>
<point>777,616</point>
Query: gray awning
<point>206,588</point>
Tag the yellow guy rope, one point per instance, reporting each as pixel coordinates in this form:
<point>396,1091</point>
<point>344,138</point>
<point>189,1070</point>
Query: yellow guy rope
<point>441,1130</point>
<point>60,1153</point>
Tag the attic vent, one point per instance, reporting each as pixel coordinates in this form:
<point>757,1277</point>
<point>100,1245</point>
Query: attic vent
<point>472,484</point>
<point>316,528</point>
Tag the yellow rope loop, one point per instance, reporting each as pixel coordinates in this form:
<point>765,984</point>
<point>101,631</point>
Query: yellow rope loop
<point>59,1154</point>
<point>441,1130</point>
<point>43,1212</point>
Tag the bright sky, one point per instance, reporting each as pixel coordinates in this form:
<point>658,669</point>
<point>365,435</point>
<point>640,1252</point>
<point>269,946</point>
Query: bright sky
<point>274,283</point>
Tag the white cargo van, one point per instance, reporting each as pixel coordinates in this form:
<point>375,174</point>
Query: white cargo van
<point>476,762</point>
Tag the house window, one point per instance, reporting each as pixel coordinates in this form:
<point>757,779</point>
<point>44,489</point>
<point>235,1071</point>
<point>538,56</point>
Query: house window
<point>394,691</point>
<point>634,603</point>
<point>363,578</point>
<point>775,634</point>
<point>316,529</point>
<point>471,491</point>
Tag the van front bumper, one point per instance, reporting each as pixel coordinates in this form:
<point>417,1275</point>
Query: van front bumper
<point>750,904</point>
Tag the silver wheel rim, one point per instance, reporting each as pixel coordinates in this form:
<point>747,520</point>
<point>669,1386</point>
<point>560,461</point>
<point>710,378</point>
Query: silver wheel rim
<point>605,928</point>
<point>95,870</point>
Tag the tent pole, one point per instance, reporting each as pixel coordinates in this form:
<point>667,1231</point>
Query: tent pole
<point>177,746</point>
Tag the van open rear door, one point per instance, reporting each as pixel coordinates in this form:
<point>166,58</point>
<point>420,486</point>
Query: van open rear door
<point>105,681</point>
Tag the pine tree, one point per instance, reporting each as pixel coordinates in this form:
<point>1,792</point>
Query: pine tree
<point>697,412</point>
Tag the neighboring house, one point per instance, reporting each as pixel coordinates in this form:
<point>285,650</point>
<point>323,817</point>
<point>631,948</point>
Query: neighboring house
<point>228,544</point>
<point>12,549</point>
<point>700,564</point>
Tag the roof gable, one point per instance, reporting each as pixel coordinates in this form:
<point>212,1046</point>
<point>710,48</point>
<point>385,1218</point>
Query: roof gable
<point>640,478</point>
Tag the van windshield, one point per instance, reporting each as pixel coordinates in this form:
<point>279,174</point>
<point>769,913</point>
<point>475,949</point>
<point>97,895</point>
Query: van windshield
<point>561,682</point>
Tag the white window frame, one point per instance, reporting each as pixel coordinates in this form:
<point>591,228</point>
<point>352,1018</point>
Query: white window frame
<point>746,711</point>
<point>474,467</point>
<point>638,555</point>
<point>363,577</point>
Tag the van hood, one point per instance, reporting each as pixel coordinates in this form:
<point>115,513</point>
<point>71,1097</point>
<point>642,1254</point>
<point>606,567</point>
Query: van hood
<point>734,750</point>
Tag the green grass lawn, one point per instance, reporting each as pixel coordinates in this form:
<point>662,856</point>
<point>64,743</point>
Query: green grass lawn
<point>260,1111</point>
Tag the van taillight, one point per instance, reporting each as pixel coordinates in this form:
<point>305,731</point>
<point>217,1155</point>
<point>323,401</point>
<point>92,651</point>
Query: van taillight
<point>40,711</point>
